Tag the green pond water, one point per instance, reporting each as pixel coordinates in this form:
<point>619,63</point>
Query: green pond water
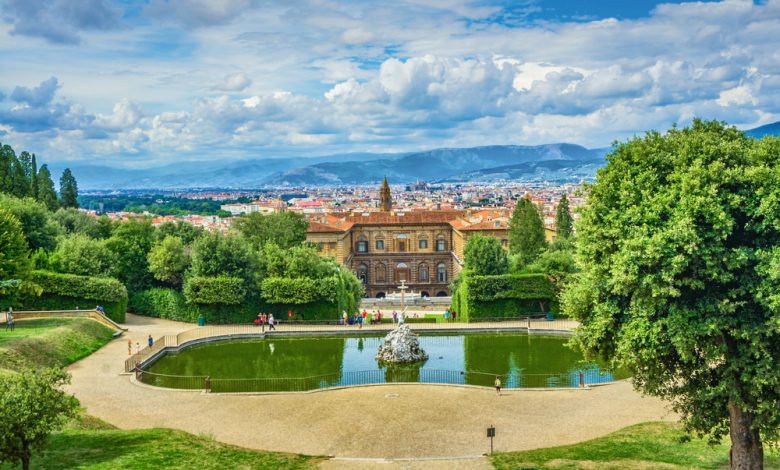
<point>306,363</point>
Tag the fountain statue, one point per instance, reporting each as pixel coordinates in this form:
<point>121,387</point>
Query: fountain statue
<point>401,346</point>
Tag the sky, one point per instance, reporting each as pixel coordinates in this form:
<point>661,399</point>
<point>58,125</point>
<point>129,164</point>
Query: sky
<point>146,83</point>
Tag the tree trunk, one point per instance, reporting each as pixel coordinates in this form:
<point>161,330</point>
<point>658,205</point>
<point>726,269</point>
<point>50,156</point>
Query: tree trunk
<point>25,462</point>
<point>747,452</point>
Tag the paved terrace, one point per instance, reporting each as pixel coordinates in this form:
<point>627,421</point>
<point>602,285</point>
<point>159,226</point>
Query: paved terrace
<point>377,422</point>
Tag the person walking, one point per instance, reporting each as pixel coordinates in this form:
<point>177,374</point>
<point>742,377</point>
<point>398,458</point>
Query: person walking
<point>446,315</point>
<point>498,386</point>
<point>150,341</point>
<point>137,347</point>
<point>360,321</point>
<point>129,347</point>
<point>9,320</point>
<point>263,321</point>
<point>453,315</point>
<point>395,317</point>
<point>271,322</point>
<point>344,317</point>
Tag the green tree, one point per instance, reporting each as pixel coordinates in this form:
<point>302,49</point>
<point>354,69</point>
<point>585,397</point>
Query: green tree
<point>33,405</point>
<point>188,233</point>
<point>46,193</point>
<point>131,242</point>
<point>286,229</point>
<point>40,230</point>
<point>485,256</point>
<point>564,224</point>
<point>215,254</point>
<point>75,221</point>
<point>681,269</point>
<point>6,168</point>
<point>168,260</point>
<point>14,254</point>
<point>69,190</point>
<point>526,231</point>
<point>33,176</point>
<point>20,184</point>
<point>80,254</point>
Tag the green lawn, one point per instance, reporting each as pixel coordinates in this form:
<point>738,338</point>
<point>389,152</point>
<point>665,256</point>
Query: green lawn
<point>643,446</point>
<point>46,342</point>
<point>93,444</point>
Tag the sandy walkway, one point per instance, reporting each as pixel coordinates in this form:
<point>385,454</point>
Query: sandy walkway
<point>384,422</point>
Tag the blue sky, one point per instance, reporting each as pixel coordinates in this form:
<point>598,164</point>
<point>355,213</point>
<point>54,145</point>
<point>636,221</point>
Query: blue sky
<point>153,82</point>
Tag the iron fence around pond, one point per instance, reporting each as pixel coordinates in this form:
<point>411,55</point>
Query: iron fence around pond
<point>515,380</point>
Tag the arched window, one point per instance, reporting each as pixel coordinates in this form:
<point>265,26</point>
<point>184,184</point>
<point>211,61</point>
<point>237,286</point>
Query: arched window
<point>441,272</point>
<point>380,273</point>
<point>380,295</point>
<point>362,245</point>
<point>380,244</point>
<point>362,273</point>
<point>441,244</point>
<point>424,295</point>
<point>402,272</point>
<point>441,293</point>
<point>422,272</point>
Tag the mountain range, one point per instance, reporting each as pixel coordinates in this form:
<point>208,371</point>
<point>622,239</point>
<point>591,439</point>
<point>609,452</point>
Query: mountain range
<point>560,162</point>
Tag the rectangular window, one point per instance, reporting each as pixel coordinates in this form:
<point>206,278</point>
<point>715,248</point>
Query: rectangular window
<point>401,246</point>
<point>440,245</point>
<point>423,244</point>
<point>362,247</point>
<point>380,244</point>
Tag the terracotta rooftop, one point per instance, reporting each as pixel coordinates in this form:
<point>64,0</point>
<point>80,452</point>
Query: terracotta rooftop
<point>404,218</point>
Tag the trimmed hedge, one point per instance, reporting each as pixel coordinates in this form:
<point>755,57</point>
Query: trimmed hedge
<point>172,305</point>
<point>502,296</point>
<point>68,291</point>
<point>301,290</point>
<point>220,290</point>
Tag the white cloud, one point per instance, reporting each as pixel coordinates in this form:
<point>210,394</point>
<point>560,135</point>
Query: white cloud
<point>234,82</point>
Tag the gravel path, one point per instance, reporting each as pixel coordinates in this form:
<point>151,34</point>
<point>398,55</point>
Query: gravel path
<point>379,422</point>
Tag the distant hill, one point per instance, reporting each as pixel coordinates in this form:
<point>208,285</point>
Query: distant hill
<point>768,129</point>
<point>550,162</point>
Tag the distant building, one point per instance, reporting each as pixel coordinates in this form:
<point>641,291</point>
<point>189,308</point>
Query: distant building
<point>264,207</point>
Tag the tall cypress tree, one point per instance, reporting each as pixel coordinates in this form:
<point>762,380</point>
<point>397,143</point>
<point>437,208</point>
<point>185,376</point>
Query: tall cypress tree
<point>526,231</point>
<point>34,177</point>
<point>564,224</point>
<point>6,169</point>
<point>69,190</point>
<point>20,185</point>
<point>46,193</point>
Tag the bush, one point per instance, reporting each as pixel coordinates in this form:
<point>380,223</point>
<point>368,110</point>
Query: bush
<point>68,291</point>
<point>221,290</point>
<point>502,296</point>
<point>301,290</point>
<point>159,302</point>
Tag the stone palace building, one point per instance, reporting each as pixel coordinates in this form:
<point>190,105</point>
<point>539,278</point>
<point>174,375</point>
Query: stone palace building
<point>423,248</point>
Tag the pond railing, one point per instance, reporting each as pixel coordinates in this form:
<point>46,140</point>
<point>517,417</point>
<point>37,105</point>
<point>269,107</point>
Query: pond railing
<point>284,328</point>
<point>516,380</point>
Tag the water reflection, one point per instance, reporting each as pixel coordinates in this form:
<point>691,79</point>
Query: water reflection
<point>306,363</point>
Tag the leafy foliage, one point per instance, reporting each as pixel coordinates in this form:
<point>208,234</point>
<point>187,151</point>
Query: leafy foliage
<point>131,242</point>
<point>46,193</point>
<point>484,255</point>
<point>33,405</point>
<point>564,223</point>
<point>526,231</point>
<point>188,233</point>
<point>285,229</point>
<point>40,229</point>
<point>215,254</point>
<point>80,254</point>
<point>168,259</point>
<point>14,255</point>
<point>69,191</point>
<point>214,290</point>
<point>507,295</point>
<point>300,290</point>
<point>75,221</point>
<point>96,290</point>
<point>678,248</point>
<point>166,303</point>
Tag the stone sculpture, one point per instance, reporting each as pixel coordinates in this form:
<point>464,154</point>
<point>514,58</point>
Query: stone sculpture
<point>401,346</point>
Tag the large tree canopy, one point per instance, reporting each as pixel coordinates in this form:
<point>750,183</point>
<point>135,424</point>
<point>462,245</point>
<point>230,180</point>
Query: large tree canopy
<point>485,256</point>
<point>526,231</point>
<point>680,250</point>
<point>14,255</point>
<point>285,229</point>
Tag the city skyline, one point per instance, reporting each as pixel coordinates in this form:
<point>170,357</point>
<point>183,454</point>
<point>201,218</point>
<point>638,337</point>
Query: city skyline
<point>140,84</point>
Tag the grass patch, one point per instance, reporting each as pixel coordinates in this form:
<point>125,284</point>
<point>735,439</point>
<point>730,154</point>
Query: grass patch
<point>89,445</point>
<point>47,342</point>
<point>656,445</point>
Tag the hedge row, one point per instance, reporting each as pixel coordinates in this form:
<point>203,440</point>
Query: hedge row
<point>302,290</point>
<point>69,291</point>
<point>502,296</point>
<point>220,290</point>
<point>172,305</point>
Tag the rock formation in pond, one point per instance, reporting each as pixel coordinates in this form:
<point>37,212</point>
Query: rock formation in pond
<point>401,346</point>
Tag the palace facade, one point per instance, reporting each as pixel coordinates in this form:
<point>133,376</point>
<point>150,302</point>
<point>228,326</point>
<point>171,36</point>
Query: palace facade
<point>423,248</point>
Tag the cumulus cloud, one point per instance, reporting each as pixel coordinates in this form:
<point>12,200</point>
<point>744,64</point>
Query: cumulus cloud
<point>60,21</point>
<point>38,96</point>
<point>234,82</point>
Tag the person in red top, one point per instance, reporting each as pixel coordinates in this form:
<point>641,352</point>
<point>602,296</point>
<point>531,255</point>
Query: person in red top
<point>364,315</point>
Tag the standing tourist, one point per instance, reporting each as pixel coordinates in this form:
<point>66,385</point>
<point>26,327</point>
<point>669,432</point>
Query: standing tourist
<point>137,347</point>
<point>150,341</point>
<point>395,317</point>
<point>453,315</point>
<point>263,320</point>
<point>271,322</point>
<point>498,386</point>
<point>344,317</point>
<point>446,315</point>
<point>129,347</point>
<point>9,320</point>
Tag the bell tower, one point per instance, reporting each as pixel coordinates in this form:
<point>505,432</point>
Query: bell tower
<point>385,200</point>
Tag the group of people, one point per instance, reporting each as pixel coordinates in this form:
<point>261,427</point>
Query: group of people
<point>450,315</point>
<point>265,319</point>
<point>149,341</point>
<point>375,317</point>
